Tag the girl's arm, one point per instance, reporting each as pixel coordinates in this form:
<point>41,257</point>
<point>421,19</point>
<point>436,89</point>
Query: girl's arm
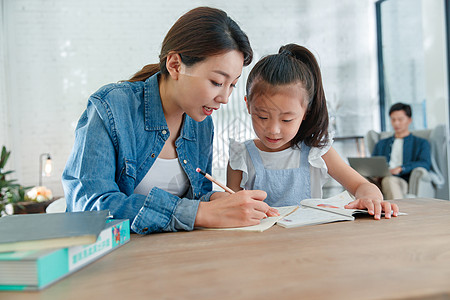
<point>367,194</point>
<point>234,178</point>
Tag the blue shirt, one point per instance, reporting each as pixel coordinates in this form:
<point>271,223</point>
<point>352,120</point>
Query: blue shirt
<point>117,140</point>
<point>416,153</point>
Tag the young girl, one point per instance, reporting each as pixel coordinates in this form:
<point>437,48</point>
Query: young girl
<point>292,155</point>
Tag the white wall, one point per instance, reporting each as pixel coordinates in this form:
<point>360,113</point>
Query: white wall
<point>3,107</point>
<point>59,52</point>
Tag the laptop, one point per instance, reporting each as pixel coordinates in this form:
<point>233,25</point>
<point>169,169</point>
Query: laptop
<point>375,166</point>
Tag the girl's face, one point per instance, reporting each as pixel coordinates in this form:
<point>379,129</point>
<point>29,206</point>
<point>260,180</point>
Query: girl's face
<point>209,83</point>
<point>277,116</point>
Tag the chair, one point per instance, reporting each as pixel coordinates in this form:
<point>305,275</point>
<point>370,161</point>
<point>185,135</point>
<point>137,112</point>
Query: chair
<point>57,206</point>
<point>423,183</point>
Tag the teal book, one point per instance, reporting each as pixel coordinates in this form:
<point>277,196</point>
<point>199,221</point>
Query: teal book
<point>45,231</point>
<point>36,269</point>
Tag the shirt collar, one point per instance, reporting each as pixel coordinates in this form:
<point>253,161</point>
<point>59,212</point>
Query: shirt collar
<point>154,115</point>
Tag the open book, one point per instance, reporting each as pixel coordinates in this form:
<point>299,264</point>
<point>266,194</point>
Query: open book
<point>319,211</point>
<point>293,216</point>
<point>311,212</point>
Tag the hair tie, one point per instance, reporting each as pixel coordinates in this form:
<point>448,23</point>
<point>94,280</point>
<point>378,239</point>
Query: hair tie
<point>287,53</point>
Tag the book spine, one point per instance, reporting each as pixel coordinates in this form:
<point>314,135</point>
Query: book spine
<point>109,238</point>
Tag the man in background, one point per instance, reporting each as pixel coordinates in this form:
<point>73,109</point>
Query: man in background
<point>403,151</point>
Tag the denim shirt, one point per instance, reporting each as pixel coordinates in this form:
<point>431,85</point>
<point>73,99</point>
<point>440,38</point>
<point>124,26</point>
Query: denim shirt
<point>117,140</point>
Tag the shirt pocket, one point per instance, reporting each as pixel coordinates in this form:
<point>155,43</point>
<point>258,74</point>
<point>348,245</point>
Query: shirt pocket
<point>127,177</point>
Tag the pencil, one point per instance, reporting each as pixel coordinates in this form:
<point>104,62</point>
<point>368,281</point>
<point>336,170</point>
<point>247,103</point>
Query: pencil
<point>209,177</point>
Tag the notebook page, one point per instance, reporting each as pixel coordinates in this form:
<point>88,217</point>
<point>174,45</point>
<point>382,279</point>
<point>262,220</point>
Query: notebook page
<point>310,216</point>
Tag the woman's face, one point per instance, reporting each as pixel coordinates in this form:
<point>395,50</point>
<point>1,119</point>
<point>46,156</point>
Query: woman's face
<point>207,84</point>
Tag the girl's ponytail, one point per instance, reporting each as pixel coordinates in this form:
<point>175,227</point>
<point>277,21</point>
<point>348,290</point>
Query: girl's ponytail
<point>314,129</point>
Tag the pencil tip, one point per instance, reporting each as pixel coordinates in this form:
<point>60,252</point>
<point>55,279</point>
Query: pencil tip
<point>198,170</point>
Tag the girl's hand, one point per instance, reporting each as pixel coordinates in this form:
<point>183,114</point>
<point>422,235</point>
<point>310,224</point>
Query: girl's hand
<point>374,207</point>
<point>369,197</point>
<point>244,208</point>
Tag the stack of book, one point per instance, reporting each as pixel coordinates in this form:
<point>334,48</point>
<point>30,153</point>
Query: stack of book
<point>37,250</point>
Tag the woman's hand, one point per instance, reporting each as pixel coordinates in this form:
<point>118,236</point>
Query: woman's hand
<point>369,197</point>
<point>218,195</point>
<point>244,208</point>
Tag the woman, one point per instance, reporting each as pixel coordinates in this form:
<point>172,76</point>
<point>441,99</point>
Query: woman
<point>139,142</point>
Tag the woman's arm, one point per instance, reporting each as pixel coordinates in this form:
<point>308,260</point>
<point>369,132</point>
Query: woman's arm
<point>95,179</point>
<point>367,194</point>
<point>89,175</point>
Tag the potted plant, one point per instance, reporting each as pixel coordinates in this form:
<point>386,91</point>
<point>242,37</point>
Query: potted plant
<point>17,199</point>
<point>10,191</point>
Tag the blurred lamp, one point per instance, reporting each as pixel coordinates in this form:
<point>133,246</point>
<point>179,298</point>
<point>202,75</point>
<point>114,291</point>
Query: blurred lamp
<point>46,168</point>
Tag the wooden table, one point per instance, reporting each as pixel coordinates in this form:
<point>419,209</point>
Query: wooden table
<point>404,258</point>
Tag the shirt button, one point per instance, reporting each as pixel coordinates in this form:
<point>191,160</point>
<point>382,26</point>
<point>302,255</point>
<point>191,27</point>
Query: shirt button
<point>185,161</point>
<point>164,131</point>
<point>145,229</point>
<point>153,155</point>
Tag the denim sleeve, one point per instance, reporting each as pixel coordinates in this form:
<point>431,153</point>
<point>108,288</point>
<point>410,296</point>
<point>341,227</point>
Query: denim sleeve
<point>89,176</point>
<point>163,211</point>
